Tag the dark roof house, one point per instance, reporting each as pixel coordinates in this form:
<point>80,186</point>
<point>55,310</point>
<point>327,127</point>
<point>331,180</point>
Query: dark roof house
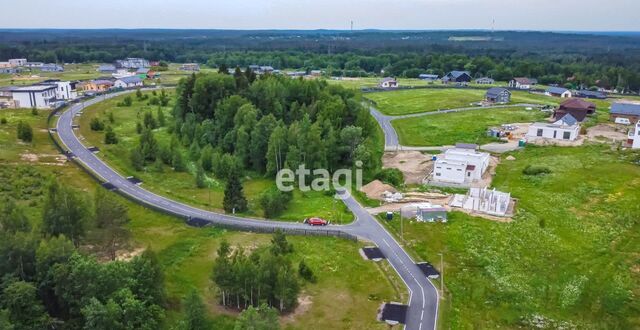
<point>626,110</point>
<point>457,76</point>
<point>578,108</point>
<point>591,94</point>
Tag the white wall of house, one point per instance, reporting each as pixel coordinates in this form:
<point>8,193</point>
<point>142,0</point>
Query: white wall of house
<point>553,131</point>
<point>635,136</point>
<point>460,166</point>
<point>29,98</point>
<point>121,84</point>
<point>64,91</point>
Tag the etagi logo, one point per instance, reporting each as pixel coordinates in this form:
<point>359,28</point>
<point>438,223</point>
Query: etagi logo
<point>341,180</point>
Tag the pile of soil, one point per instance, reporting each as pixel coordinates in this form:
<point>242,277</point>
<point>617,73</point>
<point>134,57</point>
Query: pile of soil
<point>376,188</point>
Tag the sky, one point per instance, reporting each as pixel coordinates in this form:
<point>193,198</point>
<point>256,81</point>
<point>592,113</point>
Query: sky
<point>547,15</point>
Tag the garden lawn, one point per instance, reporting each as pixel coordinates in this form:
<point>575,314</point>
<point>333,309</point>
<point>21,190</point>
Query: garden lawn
<point>466,126</point>
<point>181,185</point>
<point>570,257</point>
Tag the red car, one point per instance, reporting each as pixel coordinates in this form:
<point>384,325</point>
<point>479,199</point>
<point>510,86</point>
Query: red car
<point>316,222</point>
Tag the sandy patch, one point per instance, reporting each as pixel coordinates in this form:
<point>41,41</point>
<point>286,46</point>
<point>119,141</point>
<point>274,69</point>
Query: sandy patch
<point>44,159</point>
<point>414,165</point>
<point>126,255</point>
<point>376,188</point>
<point>608,131</point>
<point>304,305</point>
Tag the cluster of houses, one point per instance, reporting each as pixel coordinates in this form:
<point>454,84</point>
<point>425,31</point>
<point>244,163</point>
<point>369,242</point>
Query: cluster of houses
<point>18,65</point>
<point>43,95</point>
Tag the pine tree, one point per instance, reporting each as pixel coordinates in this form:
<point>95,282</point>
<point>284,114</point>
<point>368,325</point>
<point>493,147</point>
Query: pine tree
<point>200,177</point>
<point>195,313</point>
<point>110,136</point>
<point>234,199</point>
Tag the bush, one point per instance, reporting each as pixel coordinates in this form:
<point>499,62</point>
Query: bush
<point>137,159</point>
<point>274,201</point>
<point>96,124</point>
<point>306,272</point>
<point>126,102</point>
<point>25,132</point>
<point>110,136</point>
<point>392,176</point>
<point>34,111</point>
<point>3,120</point>
<point>535,170</point>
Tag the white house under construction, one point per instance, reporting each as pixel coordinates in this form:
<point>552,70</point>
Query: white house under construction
<point>483,200</point>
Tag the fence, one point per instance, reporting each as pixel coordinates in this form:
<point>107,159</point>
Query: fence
<point>191,221</point>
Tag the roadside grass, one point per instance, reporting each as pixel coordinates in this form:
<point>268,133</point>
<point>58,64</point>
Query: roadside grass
<point>570,256</point>
<point>348,292</point>
<point>181,185</point>
<point>11,148</point>
<point>346,296</point>
<point>465,126</point>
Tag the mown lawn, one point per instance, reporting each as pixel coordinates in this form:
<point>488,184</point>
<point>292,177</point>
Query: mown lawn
<point>571,256</point>
<point>181,185</point>
<point>466,126</point>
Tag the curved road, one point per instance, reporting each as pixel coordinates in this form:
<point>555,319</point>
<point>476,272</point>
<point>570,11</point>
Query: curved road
<point>423,296</point>
<point>391,141</point>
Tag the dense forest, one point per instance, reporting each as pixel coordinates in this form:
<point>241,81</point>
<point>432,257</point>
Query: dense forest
<point>586,60</point>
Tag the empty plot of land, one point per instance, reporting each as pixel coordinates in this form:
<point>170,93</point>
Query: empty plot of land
<point>468,126</point>
<point>424,100</point>
<point>414,165</point>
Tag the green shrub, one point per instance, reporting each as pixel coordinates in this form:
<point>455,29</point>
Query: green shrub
<point>535,170</point>
<point>110,136</point>
<point>392,176</point>
<point>3,120</point>
<point>25,132</point>
<point>274,201</point>
<point>96,124</point>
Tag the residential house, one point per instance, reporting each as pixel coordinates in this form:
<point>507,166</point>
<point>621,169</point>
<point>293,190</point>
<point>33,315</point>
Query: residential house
<point>34,64</point>
<point>522,83</point>
<point>462,77</point>
<point>498,95</point>
<point>388,83</point>
<point>316,73</point>
<point>460,166</point>
<point>10,70</point>
<point>485,81</point>
<point>634,136</point>
<point>17,61</point>
<point>132,63</point>
<point>107,68</point>
<point>428,77</point>
<point>51,67</point>
<point>566,129</point>
<point>4,65</point>
<point>265,69</point>
<point>36,96</point>
<point>98,85</point>
<point>630,111</point>
<point>558,92</point>
<point>193,67</point>
<point>578,108</point>
<point>154,63</point>
<point>590,94</point>
<point>65,90</point>
<point>128,82</point>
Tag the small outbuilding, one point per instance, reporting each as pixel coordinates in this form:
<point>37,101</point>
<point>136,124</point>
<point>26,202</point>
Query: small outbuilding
<point>457,77</point>
<point>522,83</point>
<point>630,111</point>
<point>485,81</point>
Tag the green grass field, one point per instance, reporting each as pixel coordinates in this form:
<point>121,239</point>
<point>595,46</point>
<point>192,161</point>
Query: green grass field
<point>345,280</point>
<point>570,257</point>
<point>466,126</point>
<point>181,185</point>
<point>426,100</point>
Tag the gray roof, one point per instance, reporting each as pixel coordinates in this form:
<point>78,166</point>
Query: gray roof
<point>142,70</point>
<point>588,93</point>
<point>485,78</point>
<point>426,75</point>
<point>626,109</point>
<point>130,80</point>
<point>556,90</point>
<point>569,120</point>
<point>496,91</point>
<point>456,74</point>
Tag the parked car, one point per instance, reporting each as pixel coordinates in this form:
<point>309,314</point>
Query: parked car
<point>316,222</point>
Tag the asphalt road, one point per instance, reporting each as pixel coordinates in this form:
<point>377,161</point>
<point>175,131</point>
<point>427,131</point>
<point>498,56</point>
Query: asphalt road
<point>423,302</point>
<point>392,143</point>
